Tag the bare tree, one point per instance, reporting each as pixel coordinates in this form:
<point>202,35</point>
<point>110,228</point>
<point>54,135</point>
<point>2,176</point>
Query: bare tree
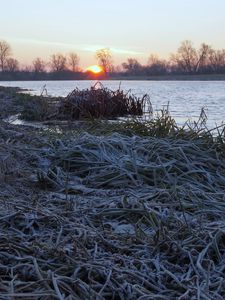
<point>118,69</point>
<point>73,62</point>
<point>104,58</point>
<point>27,69</point>
<point>5,51</point>
<point>186,57</point>
<point>217,60</point>
<point>203,56</point>
<point>12,65</point>
<point>153,59</point>
<point>132,66</point>
<point>156,65</point>
<point>58,62</point>
<point>39,65</point>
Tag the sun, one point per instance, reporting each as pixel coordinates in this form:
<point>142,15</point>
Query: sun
<point>95,69</point>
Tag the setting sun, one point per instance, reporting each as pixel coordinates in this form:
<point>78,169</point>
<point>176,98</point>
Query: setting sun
<point>95,69</point>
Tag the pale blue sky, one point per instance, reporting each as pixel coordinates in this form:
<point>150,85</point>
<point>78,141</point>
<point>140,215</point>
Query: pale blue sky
<point>131,28</point>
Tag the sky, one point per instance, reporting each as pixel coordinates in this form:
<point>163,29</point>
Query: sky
<point>130,28</point>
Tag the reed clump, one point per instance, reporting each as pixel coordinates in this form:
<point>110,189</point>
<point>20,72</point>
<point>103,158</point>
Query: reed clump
<point>101,102</point>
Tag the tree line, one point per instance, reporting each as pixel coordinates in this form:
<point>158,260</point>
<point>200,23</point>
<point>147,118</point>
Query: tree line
<point>186,60</point>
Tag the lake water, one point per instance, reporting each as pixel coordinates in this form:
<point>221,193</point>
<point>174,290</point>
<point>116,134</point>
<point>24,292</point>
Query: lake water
<point>186,98</point>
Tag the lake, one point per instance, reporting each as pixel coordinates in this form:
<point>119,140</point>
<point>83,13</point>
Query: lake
<point>186,98</point>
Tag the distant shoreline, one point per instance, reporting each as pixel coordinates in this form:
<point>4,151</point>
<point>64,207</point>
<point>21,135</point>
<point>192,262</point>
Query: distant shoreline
<point>203,77</point>
<point>219,77</point>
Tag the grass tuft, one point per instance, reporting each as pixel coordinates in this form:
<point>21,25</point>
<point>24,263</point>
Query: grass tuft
<point>101,102</point>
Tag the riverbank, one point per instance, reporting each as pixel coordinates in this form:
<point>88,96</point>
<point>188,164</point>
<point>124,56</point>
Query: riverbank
<point>172,77</point>
<point>110,210</point>
<point>124,76</point>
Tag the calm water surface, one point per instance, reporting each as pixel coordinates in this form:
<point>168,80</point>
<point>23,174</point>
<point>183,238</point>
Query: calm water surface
<point>186,98</point>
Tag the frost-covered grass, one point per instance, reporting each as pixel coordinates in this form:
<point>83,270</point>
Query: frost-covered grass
<point>111,215</point>
<point>112,210</point>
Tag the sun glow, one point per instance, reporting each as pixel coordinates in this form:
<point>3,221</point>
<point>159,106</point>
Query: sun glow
<point>95,69</point>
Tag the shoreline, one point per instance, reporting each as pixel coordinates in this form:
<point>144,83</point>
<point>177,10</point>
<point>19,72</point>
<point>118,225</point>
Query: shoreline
<point>175,78</point>
<point>203,77</point>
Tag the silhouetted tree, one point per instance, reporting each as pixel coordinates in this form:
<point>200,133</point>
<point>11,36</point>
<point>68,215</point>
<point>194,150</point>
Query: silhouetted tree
<point>217,60</point>
<point>73,62</point>
<point>203,56</point>
<point>117,69</point>
<point>39,65</point>
<point>153,59</point>
<point>156,66</point>
<point>58,62</point>
<point>132,66</point>
<point>5,52</point>
<point>186,57</point>
<point>189,60</point>
<point>12,65</point>
<point>104,58</point>
<point>27,69</point>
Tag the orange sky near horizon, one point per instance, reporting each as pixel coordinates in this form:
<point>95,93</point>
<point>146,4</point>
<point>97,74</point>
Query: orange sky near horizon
<point>26,50</point>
